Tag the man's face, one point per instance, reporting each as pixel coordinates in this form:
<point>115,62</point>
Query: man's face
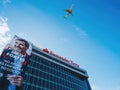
<point>20,46</point>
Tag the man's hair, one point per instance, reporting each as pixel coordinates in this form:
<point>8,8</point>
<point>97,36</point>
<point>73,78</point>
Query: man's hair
<point>26,42</point>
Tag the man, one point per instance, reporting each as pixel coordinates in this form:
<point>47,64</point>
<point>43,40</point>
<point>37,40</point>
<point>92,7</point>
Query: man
<point>13,62</point>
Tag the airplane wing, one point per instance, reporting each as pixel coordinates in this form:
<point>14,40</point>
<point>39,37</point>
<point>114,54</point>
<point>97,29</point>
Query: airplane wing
<point>71,6</point>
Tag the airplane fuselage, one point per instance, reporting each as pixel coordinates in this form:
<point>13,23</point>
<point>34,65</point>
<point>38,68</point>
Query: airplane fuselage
<point>69,11</point>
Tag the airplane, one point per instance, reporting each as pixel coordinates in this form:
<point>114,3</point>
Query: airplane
<point>68,11</point>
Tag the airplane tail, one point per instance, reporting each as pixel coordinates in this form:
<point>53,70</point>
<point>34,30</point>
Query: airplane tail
<point>66,15</point>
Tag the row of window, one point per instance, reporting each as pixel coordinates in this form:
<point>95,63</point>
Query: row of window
<point>54,77</point>
<point>42,74</point>
<point>37,80</point>
<point>49,68</point>
<point>58,71</point>
<point>50,85</point>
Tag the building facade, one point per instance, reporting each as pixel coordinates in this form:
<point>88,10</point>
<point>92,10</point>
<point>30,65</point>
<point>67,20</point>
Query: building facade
<point>48,72</point>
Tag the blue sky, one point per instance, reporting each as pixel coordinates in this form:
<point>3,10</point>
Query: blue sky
<point>90,38</point>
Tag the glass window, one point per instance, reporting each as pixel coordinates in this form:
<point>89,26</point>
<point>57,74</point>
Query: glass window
<point>45,75</point>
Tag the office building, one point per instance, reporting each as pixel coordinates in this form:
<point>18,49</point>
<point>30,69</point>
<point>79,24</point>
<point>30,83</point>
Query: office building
<point>49,71</point>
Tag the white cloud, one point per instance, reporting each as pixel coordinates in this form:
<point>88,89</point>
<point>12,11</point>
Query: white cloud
<point>64,39</point>
<point>21,34</point>
<point>3,26</point>
<point>4,2</point>
<point>94,87</point>
<point>4,33</point>
<point>81,32</point>
<point>118,87</point>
